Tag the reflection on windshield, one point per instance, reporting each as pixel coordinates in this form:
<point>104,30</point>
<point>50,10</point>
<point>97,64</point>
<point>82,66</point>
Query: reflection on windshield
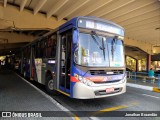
<point>88,53</point>
<point>94,36</point>
<point>114,44</point>
<point>117,57</point>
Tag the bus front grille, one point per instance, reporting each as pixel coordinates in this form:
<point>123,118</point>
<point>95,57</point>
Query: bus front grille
<point>114,81</point>
<point>105,72</point>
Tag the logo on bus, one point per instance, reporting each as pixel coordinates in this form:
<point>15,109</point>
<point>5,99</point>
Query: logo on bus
<point>108,78</point>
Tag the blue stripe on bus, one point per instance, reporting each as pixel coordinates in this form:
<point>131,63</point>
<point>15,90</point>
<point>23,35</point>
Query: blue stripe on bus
<point>67,91</point>
<point>63,89</point>
<point>79,72</point>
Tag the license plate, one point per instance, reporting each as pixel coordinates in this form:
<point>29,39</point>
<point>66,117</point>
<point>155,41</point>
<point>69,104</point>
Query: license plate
<point>109,90</point>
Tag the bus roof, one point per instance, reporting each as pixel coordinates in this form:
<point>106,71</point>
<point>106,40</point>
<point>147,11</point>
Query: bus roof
<point>74,21</point>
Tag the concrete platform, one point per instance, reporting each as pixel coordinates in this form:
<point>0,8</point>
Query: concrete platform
<point>18,95</point>
<point>143,85</point>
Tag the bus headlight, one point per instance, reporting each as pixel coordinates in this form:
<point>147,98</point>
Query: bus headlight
<point>124,79</point>
<point>85,81</point>
<point>80,78</point>
<point>89,83</point>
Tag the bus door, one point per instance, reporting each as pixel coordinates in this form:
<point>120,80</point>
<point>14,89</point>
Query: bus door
<point>65,64</point>
<point>33,67</point>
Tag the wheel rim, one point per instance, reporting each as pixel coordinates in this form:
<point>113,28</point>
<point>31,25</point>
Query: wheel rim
<point>50,84</point>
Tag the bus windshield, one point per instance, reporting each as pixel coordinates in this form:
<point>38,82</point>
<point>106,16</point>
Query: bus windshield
<point>98,51</point>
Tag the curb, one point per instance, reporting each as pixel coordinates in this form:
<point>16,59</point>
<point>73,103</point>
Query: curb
<point>153,89</point>
<point>56,103</point>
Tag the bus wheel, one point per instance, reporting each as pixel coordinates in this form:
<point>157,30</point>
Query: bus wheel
<point>49,85</point>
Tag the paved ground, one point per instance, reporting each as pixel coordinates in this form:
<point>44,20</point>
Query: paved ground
<point>17,95</point>
<point>133,100</point>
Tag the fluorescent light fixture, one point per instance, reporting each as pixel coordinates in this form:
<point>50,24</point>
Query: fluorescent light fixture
<point>51,61</point>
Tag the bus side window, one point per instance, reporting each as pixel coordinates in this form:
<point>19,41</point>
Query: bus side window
<point>38,50</point>
<point>45,48</point>
<point>63,56</point>
<point>49,48</point>
<point>54,44</point>
<point>63,47</point>
<point>41,49</point>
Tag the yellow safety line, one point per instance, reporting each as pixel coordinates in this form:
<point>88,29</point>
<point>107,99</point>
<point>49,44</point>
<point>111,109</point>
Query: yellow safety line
<point>114,108</point>
<point>134,103</point>
<point>63,93</point>
<point>75,116</point>
<point>109,109</point>
<point>155,89</point>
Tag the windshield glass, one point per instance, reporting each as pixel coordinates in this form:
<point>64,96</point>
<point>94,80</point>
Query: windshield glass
<point>98,51</point>
<point>116,53</point>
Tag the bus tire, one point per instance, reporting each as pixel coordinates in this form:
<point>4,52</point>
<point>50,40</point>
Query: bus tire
<point>49,85</point>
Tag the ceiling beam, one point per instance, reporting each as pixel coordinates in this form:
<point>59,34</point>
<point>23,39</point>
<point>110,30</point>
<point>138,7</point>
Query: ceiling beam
<point>137,26</point>
<point>138,12</point>
<point>149,34</point>
<point>131,9</point>
<point>143,35</point>
<point>72,8</point>
<point>25,20</point>
<point>116,12</point>
<point>152,33</point>
<point>110,7</point>
<point>5,3</point>
<point>12,45</point>
<point>156,24</point>
<point>16,38</point>
<point>22,5</point>
<point>56,7</point>
<point>40,33</point>
<point>141,17</point>
<point>145,21</point>
<point>140,44</point>
<point>39,6</point>
<point>90,7</point>
<point>31,32</point>
<point>146,31</point>
<point>152,38</point>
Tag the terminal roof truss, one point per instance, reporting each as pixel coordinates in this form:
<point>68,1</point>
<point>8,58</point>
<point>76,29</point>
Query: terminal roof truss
<point>33,18</point>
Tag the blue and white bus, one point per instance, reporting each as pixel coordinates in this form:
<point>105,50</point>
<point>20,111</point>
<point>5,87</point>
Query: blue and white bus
<point>83,59</point>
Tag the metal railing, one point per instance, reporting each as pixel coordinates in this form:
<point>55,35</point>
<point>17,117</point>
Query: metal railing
<point>143,76</point>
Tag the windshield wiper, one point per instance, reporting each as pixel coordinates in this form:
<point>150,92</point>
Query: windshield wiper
<point>103,48</point>
<point>94,36</point>
<point>113,48</point>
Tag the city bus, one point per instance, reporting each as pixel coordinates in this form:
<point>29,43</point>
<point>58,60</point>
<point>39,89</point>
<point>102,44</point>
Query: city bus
<point>83,59</point>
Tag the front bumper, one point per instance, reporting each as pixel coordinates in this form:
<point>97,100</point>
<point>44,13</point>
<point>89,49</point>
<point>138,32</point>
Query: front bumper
<point>82,91</point>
